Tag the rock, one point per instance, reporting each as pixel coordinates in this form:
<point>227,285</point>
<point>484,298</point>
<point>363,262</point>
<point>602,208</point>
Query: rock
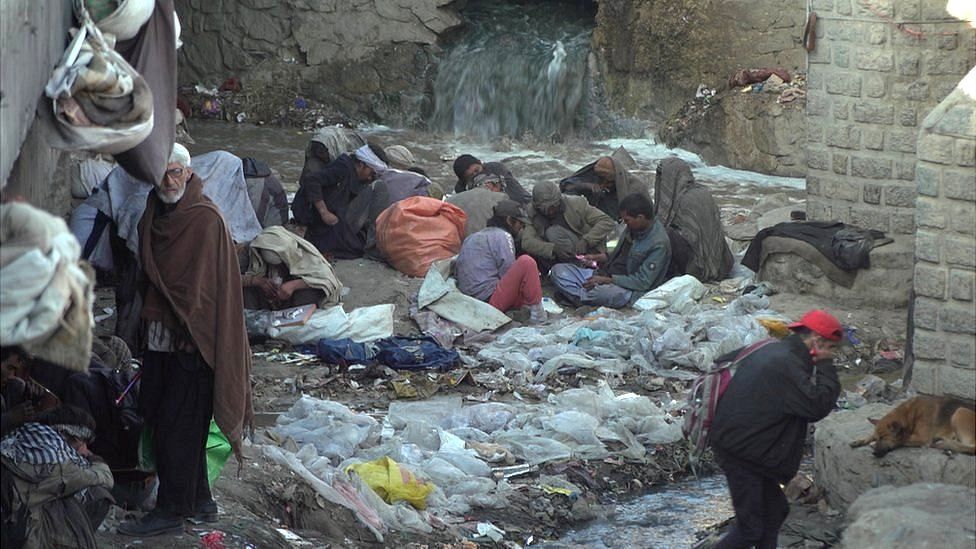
<point>918,515</point>
<point>769,203</point>
<point>845,473</point>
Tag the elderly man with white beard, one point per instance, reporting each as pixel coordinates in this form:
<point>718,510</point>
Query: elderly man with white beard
<point>197,361</point>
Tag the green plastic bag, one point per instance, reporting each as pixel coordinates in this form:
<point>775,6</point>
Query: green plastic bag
<point>218,451</point>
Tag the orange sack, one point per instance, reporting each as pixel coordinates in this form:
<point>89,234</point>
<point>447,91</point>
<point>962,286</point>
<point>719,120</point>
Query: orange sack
<point>414,232</point>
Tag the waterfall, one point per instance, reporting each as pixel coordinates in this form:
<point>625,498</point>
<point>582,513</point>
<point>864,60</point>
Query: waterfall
<point>517,70</point>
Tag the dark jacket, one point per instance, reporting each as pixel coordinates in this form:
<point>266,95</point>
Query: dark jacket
<point>761,421</point>
<point>647,260</point>
<point>336,184</point>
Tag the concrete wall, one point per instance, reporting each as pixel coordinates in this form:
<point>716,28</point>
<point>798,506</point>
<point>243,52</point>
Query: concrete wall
<point>945,247</point>
<point>869,86</point>
<point>366,58</point>
<point>32,38</point>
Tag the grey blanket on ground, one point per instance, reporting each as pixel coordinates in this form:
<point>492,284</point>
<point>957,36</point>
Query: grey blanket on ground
<point>122,197</point>
<point>687,207</point>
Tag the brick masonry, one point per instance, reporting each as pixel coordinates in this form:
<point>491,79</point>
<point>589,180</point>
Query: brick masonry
<point>945,248</point>
<point>870,84</point>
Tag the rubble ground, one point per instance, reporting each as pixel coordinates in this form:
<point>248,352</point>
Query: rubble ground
<point>268,505</point>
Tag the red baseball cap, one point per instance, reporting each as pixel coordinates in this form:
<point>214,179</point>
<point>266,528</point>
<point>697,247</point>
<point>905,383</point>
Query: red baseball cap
<point>822,323</point>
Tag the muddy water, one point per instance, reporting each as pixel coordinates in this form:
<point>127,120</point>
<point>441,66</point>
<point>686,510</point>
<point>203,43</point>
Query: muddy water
<point>666,518</point>
<point>283,149</point>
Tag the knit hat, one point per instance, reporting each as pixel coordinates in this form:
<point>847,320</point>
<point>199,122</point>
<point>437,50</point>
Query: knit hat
<point>822,323</point>
<point>511,208</point>
<point>545,195</point>
<point>462,163</point>
<point>400,157</point>
<point>483,179</point>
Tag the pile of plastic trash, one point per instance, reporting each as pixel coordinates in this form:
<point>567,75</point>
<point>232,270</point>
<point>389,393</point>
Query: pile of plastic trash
<point>673,336</point>
<point>438,458</point>
<point>466,453</point>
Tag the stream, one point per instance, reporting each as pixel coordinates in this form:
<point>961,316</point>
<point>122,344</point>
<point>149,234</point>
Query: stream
<point>664,518</point>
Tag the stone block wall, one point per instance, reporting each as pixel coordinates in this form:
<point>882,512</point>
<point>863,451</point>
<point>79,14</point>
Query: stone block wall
<point>870,85</point>
<point>945,247</point>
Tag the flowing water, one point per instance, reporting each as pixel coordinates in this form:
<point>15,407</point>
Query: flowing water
<point>665,518</point>
<point>518,69</point>
<point>283,149</point>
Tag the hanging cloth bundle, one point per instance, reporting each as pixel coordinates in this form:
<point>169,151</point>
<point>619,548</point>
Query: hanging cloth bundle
<point>99,102</point>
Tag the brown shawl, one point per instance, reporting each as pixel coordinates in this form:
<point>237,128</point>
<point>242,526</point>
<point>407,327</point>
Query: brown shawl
<point>189,257</point>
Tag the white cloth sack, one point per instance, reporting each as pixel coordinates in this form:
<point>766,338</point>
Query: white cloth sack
<point>88,43</point>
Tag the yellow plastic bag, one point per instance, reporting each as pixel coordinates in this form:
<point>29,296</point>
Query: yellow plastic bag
<point>392,482</point>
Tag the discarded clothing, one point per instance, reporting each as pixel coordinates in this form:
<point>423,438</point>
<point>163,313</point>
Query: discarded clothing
<point>399,353</point>
<point>687,208</point>
<point>851,252</point>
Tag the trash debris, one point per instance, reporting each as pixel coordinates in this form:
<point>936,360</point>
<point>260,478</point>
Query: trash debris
<point>490,531</point>
<point>393,482</point>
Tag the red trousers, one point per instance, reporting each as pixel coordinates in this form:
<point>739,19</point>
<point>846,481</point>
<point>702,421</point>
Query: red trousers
<point>520,286</point>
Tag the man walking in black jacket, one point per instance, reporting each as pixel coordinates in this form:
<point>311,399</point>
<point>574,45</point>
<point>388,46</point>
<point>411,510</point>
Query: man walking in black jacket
<point>761,422</point>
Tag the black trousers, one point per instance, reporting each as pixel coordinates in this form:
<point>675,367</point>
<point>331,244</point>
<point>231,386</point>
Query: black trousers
<point>176,400</point>
<point>760,508</point>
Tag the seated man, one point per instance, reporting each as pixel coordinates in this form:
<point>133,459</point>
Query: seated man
<point>467,166</point>
<point>478,202</point>
<point>605,182</point>
<point>638,264</point>
<point>328,144</point>
<point>689,213</point>
<point>487,268</point>
<point>562,227</point>
<point>55,491</point>
<point>339,203</point>
<point>283,270</point>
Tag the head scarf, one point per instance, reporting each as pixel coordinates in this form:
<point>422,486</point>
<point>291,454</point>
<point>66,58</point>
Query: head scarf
<point>462,163</point>
<point>545,195</point>
<point>366,155</point>
<point>483,179</point>
<point>400,157</point>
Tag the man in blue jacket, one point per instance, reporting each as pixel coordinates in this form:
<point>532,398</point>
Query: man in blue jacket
<point>760,424</point>
<point>637,265</point>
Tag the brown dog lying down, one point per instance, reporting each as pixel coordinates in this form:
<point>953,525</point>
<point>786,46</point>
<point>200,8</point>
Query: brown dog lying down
<point>924,421</point>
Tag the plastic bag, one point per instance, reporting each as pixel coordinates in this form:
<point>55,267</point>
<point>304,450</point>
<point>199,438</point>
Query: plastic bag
<point>416,231</point>
<point>578,426</point>
<point>677,295</point>
<point>393,482</point>
<point>218,450</point>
